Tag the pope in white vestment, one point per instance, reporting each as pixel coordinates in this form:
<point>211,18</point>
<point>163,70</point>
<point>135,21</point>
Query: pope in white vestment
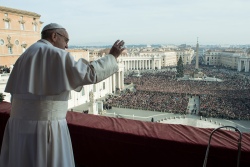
<point>36,134</point>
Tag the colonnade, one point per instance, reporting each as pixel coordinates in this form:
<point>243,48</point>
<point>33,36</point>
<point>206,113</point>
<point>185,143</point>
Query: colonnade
<point>141,64</point>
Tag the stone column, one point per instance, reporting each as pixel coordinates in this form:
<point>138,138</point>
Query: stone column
<point>92,104</point>
<point>122,79</point>
<point>125,67</point>
<point>110,84</point>
<point>159,64</point>
<point>113,83</point>
<point>247,65</point>
<point>239,65</point>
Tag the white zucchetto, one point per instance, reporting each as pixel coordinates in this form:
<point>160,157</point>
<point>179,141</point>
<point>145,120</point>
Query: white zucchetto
<point>52,26</point>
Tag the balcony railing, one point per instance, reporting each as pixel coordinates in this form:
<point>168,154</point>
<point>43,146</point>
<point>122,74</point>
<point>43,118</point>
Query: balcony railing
<point>107,141</point>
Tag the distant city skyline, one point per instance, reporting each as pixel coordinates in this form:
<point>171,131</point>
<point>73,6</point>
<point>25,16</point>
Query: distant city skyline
<point>93,22</point>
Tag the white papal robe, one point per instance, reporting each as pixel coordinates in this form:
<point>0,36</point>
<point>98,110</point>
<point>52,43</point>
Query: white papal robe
<point>36,134</point>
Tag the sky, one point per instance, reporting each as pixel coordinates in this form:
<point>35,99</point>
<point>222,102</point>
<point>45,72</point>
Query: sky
<point>102,22</point>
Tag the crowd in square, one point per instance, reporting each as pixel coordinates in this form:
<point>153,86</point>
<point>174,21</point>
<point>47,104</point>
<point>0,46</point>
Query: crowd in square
<point>159,90</point>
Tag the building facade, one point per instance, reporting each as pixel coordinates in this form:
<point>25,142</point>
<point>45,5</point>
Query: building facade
<point>186,55</point>
<point>18,30</point>
<point>234,59</point>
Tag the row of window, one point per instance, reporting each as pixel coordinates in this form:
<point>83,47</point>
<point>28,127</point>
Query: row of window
<point>2,42</point>
<point>10,51</point>
<point>7,22</point>
<point>94,88</point>
<point>211,58</point>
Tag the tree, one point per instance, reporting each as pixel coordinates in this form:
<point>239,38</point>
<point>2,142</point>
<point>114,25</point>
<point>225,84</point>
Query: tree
<point>180,68</point>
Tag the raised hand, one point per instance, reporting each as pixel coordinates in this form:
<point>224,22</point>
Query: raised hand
<point>117,48</point>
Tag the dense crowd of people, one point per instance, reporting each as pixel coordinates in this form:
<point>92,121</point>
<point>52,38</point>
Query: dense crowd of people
<point>159,90</point>
<point>151,100</point>
<point>4,69</point>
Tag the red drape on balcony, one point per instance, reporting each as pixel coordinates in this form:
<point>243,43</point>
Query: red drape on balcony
<point>105,141</point>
